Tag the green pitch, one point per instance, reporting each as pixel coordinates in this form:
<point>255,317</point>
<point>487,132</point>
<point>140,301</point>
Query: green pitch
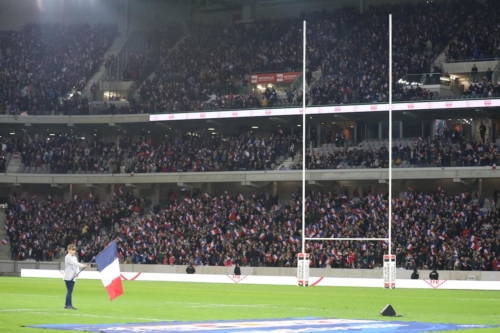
<point>40,301</point>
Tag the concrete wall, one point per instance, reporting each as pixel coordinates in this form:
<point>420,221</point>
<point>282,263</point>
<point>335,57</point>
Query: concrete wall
<point>292,8</point>
<point>465,67</point>
<point>449,176</point>
<point>148,14</point>
<point>15,267</point>
<point>159,192</point>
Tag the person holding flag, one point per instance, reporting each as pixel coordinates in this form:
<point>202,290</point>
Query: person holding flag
<point>70,273</point>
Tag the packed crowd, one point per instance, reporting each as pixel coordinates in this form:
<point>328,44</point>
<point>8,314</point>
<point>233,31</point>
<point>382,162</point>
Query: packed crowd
<point>212,58</point>
<point>191,152</point>
<point>69,153</point>
<point>211,66</point>
<point>35,70</point>
<point>480,38</point>
<point>148,54</point>
<point>431,230</point>
<point>356,69</point>
<point>483,88</point>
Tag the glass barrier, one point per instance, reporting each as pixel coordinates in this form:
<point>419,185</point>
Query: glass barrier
<point>447,86</point>
<point>331,90</point>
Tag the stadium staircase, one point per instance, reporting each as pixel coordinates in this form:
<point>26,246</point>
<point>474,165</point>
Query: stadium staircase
<point>288,163</point>
<point>316,78</point>
<point>441,58</point>
<point>151,76</point>
<point>4,249</point>
<point>13,163</point>
<point>115,49</point>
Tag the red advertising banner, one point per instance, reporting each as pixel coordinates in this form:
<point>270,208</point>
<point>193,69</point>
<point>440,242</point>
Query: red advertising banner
<point>274,77</point>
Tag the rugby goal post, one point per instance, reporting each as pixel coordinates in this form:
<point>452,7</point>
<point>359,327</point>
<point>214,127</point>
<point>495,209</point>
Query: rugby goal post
<point>389,271</point>
<point>303,270</point>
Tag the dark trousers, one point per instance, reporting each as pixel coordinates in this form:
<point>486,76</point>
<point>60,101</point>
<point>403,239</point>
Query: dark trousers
<point>69,288</point>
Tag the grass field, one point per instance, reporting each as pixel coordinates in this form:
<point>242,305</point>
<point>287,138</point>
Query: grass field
<point>27,301</point>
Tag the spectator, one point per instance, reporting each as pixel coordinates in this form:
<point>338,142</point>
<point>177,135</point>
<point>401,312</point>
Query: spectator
<point>482,131</point>
<point>474,72</point>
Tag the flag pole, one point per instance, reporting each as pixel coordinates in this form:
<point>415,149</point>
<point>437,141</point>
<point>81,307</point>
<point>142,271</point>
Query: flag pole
<point>114,240</point>
<point>88,264</point>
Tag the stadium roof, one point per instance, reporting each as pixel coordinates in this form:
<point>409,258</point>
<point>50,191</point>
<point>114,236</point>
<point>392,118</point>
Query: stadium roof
<point>213,5</point>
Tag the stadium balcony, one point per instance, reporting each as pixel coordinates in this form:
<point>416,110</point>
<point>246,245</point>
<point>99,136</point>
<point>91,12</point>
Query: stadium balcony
<point>458,174</point>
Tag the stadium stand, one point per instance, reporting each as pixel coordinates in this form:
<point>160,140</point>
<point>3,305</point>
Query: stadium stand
<point>210,68</point>
<point>432,230</point>
<point>208,71</point>
<point>34,75</point>
<point>143,52</point>
<point>351,54</point>
<point>452,149</point>
<point>357,70</point>
<point>68,153</point>
<point>479,38</point>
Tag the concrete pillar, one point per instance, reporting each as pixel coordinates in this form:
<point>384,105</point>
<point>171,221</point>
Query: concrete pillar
<point>379,130</point>
<point>308,136</point>
<point>318,135</point>
<point>403,188</point>
<point>156,195</point>
<point>489,130</point>
<point>136,192</point>
<point>275,187</point>
<point>67,195</point>
<point>60,19</point>
<point>361,6</point>
<point>112,191</point>
<point>209,188</point>
<point>127,17</point>
<point>401,130</point>
<point>355,134</point>
<point>248,11</point>
<point>71,191</point>
<point>480,186</point>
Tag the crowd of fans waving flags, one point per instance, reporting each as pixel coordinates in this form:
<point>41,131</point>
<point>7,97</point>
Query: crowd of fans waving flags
<point>221,229</point>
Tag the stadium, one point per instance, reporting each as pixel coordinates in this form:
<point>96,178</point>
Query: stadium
<point>249,166</point>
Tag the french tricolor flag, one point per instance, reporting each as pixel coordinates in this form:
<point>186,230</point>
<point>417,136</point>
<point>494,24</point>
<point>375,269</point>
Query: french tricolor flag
<point>109,269</point>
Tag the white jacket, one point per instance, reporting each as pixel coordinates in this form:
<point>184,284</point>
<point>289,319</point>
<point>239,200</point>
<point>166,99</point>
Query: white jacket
<point>71,269</point>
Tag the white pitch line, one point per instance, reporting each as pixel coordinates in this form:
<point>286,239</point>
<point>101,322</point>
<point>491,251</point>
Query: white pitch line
<point>68,313</point>
<point>22,310</point>
<point>246,306</point>
<point>209,305</point>
<point>29,295</point>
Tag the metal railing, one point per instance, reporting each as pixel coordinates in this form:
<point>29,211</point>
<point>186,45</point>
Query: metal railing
<point>451,61</point>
